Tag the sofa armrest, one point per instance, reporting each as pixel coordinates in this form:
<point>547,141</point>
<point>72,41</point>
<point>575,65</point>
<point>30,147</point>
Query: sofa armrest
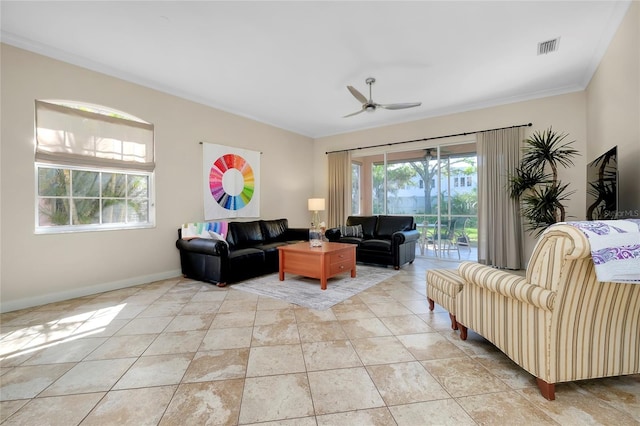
<point>507,284</point>
<point>204,246</point>
<point>401,237</point>
<point>333,234</point>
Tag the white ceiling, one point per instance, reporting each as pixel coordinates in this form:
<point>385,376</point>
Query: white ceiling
<point>288,63</point>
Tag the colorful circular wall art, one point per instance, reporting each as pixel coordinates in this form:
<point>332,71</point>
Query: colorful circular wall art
<point>231,182</point>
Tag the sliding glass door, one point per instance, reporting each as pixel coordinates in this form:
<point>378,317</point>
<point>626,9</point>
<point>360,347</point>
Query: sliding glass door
<point>437,185</point>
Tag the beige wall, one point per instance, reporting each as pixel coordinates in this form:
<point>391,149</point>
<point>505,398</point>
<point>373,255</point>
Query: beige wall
<point>566,113</point>
<point>613,113</point>
<point>37,269</point>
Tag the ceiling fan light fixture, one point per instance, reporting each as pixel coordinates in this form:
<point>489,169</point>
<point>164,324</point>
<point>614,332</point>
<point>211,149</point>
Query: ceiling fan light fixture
<point>369,105</point>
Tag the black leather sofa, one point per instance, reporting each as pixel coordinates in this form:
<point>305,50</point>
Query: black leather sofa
<point>250,250</point>
<point>385,240</point>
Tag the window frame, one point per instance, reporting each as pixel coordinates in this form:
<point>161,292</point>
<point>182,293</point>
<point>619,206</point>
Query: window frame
<point>70,228</point>
<point>356,165</point>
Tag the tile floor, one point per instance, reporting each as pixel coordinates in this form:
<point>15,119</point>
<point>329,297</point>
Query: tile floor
<point>180,352</point>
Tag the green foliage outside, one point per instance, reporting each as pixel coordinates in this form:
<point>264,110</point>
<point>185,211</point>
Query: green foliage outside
<point>79,197</point>
<point>399,176</point>
<point>403,175</point>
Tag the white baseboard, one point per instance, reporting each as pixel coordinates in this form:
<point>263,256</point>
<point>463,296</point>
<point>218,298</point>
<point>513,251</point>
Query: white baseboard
<point>43,299</point>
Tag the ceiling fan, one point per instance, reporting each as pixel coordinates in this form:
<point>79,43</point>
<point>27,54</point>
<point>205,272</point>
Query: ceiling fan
<point>370,106</point>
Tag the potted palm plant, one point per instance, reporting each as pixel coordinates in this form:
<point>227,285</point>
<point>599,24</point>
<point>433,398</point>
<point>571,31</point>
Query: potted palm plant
<point>535,182</point>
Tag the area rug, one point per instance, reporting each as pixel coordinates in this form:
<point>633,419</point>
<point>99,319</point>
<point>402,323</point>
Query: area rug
<point>306,291</point>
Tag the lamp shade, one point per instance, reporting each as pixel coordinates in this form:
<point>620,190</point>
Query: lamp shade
<point>316,204</point>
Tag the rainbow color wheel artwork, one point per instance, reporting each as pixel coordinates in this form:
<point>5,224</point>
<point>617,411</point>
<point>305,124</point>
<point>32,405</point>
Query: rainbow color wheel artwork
<point>232,182</point>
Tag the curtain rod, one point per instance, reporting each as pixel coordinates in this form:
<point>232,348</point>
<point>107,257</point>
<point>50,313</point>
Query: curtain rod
<point>431,138</point>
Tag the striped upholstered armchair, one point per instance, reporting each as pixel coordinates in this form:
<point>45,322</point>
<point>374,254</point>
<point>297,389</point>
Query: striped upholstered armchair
<point>559,322</point>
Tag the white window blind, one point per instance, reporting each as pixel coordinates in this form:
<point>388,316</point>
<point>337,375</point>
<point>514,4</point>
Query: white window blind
<point>75,137</point>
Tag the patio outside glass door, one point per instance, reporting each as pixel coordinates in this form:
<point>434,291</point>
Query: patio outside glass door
<point>437,185</point>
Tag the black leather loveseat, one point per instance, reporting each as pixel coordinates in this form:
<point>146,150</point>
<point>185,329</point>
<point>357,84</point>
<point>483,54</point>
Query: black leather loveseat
<point>250,250</point>
<point>384,240</point>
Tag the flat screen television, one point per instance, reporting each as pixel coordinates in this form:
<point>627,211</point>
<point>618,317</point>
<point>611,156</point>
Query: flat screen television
<point>602,186</point>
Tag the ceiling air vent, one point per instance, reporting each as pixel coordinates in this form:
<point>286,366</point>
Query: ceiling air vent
<point>548,46</point>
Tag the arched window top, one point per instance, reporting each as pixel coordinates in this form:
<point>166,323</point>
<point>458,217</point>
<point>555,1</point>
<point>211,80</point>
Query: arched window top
<point>95,108</point>
<point>79,134</point>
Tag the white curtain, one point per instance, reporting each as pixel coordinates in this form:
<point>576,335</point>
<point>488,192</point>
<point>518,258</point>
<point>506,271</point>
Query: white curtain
<point>499,227</point>
<point>339,194</point>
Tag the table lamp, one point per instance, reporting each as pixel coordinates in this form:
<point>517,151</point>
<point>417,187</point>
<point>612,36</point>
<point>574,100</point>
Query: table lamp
<point>315,205</point>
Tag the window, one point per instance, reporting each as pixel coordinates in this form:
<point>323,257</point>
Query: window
<point>355,189</point>
<point>94,169</point>
<point>76,197</point>
<point>421,184</point>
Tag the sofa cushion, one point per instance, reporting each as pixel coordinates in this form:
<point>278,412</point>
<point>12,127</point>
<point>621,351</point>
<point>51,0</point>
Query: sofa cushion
<point>244,234</point>
<point>271,255</point>
<point>387,225</point>
<point>270,247</point>
<point>274,230</point>
<point>368,224</point>
<point>378,245</point>
<point>350,240</point>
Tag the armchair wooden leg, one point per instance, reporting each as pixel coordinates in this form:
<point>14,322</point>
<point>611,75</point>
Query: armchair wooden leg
<point>431,304</point>
<point>463,331</point>
<point>548,390</point>
<point>454,323</point>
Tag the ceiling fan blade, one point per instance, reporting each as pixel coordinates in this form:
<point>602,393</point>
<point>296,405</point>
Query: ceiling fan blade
<point>400,106</point>
<point>354,113</point>
<point>359,96</point>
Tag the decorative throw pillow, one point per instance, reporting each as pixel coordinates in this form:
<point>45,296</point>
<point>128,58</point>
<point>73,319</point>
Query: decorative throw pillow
<point>203,229</point>
<point>351,231</point>
<point>218,237</point>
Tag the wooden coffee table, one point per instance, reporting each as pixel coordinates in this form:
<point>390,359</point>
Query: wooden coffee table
<point>322,262</point>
